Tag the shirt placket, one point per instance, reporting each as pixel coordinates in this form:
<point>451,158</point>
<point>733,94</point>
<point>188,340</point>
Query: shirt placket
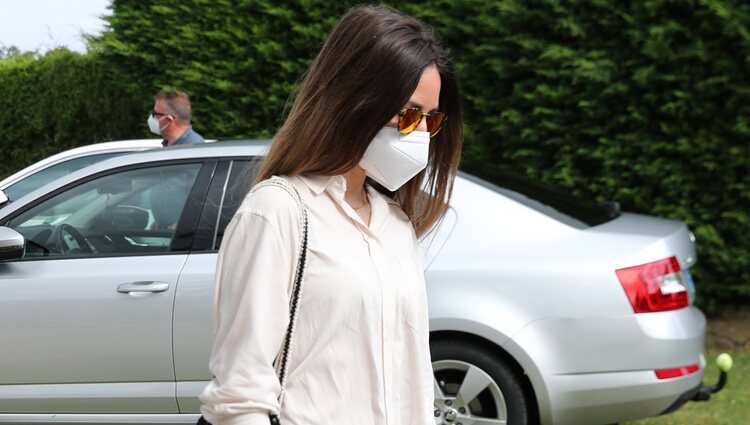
<point>388,318</point>
<point>377,254</point>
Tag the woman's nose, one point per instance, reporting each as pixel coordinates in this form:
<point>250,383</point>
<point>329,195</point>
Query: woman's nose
<point>422,124</point>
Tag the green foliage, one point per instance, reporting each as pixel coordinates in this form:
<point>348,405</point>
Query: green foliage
<point>238,60</point>
<point>59,101</point>
<point>646,103</point>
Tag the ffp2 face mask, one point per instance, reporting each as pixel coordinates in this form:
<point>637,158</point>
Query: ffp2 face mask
<point>392,158</point>
<point>153,125</point>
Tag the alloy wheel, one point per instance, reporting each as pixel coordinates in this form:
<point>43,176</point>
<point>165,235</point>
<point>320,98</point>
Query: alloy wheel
<point>466,395</point>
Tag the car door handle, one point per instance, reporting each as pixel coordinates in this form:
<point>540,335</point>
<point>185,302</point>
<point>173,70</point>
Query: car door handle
<point>144,286</point>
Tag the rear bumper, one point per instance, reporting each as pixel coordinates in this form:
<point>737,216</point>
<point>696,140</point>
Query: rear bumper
<point>594,370</point>
<point>681,400</point>
<point>617,397</point>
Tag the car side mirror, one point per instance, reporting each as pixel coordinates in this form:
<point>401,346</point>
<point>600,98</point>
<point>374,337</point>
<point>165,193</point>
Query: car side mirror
<point>3,198</point>
<point>12,245</point>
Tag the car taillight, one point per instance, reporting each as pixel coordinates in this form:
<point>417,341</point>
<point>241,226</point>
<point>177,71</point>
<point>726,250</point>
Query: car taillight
<point>676,372</point>
<point>657,286</point>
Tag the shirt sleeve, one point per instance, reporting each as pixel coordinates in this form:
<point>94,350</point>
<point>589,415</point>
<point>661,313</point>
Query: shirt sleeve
<point>253,284</point>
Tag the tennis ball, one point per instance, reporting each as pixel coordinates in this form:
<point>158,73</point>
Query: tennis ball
<point>724,361</point>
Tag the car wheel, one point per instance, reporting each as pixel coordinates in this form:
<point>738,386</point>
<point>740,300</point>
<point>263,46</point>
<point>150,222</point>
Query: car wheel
<point>473,386</point>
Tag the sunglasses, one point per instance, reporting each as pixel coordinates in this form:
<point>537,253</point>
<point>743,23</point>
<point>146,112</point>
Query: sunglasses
<point>409,119</point>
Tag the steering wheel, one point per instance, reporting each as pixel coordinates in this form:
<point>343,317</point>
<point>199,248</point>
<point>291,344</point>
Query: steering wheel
<point>59,239</point>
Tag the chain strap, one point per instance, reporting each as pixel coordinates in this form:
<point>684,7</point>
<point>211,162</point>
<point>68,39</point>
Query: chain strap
<point>282,362</point>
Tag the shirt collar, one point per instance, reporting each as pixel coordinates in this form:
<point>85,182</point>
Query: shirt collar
<point>184,136</point>
<point>336,187</point>
<point>180,140</point>
<point>318,184</point>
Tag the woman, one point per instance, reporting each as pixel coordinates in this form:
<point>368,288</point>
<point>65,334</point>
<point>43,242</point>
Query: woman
<point>379,101</point>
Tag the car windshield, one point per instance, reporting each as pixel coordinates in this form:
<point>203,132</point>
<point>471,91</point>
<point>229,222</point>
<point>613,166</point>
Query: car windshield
<point>547,199</point>
<point>38,179</point>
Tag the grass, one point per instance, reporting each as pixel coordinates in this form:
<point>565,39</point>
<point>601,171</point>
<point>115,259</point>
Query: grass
<point>731,406</point>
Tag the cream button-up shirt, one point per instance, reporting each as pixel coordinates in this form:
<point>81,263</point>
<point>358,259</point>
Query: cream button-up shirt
<point>360,354</point>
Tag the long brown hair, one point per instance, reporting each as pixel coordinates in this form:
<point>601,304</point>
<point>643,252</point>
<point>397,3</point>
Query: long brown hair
<point>366,71</point>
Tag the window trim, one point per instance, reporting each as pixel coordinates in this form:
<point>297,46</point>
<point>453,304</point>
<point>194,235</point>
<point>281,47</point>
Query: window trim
<point>206,226</point>
<point>212,216</point>
<point>185,227</point>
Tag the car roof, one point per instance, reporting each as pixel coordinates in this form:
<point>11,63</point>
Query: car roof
<point>225,148</point>
<point>221,149</point>
<point>79,152</point>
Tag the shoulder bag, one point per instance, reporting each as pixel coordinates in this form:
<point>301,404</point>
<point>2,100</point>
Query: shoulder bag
<point>282,360</point>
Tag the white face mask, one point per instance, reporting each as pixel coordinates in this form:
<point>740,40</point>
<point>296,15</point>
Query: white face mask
<point>153,125</point>
<point>392,158</point>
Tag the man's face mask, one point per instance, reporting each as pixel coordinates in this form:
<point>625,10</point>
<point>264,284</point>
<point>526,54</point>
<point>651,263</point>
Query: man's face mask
<point>153,122</point>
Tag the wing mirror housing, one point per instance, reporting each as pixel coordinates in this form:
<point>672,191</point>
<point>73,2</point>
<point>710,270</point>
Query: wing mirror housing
<point>12,245</point>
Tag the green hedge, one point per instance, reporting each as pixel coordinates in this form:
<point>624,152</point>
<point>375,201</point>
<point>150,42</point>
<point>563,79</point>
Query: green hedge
<point>59,101</point>
<point>238,60</point>
<point>646,103</point>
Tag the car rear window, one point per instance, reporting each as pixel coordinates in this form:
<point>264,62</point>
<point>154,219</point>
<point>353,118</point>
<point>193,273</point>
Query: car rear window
<point>547,199</point>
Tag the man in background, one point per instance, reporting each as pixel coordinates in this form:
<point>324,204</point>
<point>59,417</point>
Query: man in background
<point>170,119</point>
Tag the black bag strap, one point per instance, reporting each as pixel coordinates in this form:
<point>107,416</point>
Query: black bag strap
<point>282,362</point>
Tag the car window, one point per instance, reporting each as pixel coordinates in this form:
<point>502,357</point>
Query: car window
<point>546,199</point>
<point>133,212</point>
<point>53,172</point>
<point>240,178</point>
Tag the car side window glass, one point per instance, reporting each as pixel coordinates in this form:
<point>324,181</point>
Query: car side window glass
<point>240,179</point>
<point>133,212</point>
<point>53,172</point>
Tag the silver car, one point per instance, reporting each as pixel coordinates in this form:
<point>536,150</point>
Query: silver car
<point>542,309</point>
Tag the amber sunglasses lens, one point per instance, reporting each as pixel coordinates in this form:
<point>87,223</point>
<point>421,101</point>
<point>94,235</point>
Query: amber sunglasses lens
<point>409,120</point>
<point>435,122</point>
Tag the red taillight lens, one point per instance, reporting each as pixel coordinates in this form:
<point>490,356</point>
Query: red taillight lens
<point>657,286</point>
<point>676,372</point>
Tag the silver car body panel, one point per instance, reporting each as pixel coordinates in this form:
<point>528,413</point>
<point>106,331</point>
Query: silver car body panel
<point>539,318</point>
<point>114,418</point>
<point>498,269</point>
<point>193,330</point>
<point>103,327</point>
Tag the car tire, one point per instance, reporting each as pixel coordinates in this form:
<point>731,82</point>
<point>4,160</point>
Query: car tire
<point>465,369</point>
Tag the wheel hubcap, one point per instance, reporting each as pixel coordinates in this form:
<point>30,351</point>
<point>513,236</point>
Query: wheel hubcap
<point>466,394</point>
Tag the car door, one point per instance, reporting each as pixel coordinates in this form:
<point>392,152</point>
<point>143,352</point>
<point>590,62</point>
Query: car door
<point>86,315</point>
<point>193,313</point>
